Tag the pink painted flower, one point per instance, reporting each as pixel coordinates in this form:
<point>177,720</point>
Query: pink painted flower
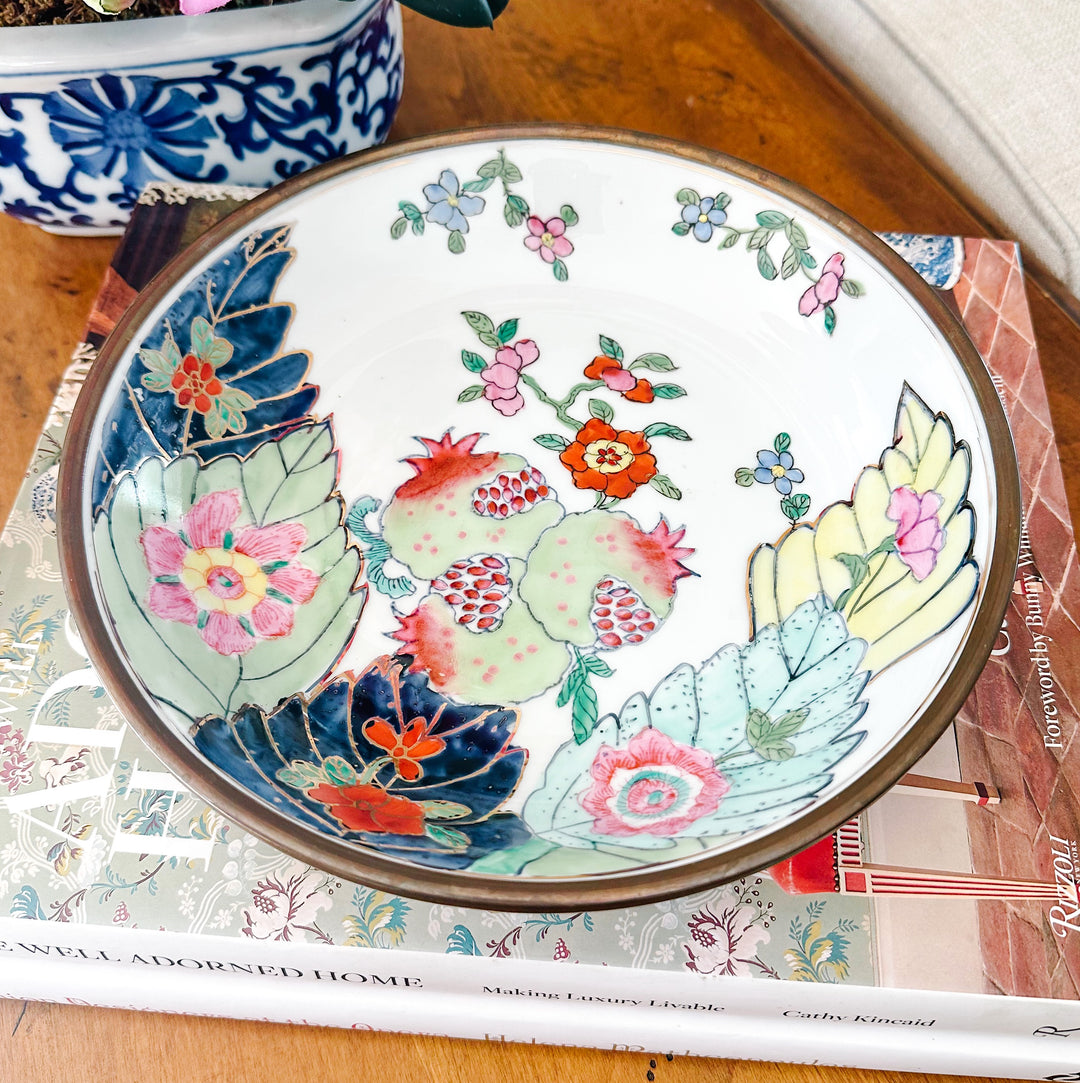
<point>655,785</point>
<point>502,375</point>
<point>826,289</point>
<point>548,238</point>
<point>919,534</point>
<point>236,586</point>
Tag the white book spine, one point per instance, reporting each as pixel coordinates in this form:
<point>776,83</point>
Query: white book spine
<point>546,1003</point>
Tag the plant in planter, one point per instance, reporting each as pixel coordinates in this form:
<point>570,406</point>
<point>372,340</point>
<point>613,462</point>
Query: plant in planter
<point>95,106</point>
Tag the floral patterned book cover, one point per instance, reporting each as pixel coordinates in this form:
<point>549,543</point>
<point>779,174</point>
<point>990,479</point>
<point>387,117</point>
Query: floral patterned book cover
<point>119,886</point>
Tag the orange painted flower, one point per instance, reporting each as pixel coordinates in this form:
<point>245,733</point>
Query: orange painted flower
<point>405,748</point>
<point>619,379</point>
<point>195,385</point>
<point>368,807</point>
<point>612,462</point>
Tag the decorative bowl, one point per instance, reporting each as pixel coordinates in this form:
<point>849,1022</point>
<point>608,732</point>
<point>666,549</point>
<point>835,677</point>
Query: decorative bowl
<point>93,112</point>
<point>539,518</point>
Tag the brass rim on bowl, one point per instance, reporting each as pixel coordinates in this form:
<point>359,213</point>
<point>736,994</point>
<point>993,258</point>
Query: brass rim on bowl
<point>462,887</point>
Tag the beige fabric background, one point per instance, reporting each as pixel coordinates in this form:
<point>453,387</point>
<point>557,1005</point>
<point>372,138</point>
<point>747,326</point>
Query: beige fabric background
<point>990,87</point>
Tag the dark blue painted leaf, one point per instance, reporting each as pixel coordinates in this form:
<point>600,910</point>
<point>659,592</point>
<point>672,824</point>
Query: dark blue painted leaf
<point>464,757</point>
<point>235,297</point>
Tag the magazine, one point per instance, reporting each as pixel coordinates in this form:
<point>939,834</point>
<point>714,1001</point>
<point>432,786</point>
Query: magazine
<point>947,910</point>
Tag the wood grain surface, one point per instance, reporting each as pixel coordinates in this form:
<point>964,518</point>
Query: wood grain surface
<point>722,73</point>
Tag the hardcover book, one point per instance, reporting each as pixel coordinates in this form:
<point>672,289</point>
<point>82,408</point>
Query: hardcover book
<point>936,932</point>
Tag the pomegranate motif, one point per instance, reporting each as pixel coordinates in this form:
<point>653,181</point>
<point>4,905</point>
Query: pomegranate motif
<point>438,516</point>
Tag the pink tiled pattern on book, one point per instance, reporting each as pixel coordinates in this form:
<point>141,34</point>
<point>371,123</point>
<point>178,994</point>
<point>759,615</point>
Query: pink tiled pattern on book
<point>1014,731</point>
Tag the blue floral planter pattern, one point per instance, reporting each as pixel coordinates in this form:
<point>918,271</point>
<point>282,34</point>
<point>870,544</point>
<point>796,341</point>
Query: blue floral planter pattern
<point>78,146</point>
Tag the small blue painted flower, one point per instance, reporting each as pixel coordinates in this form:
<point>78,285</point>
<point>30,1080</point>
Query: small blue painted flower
<point>450,206</point>
<point>101,121</point>
<point>778,470</point>
<point>704,217</point>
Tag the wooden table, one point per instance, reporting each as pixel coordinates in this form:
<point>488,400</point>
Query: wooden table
<point>722,73</point>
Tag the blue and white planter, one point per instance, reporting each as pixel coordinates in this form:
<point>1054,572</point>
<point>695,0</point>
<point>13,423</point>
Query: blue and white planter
<point>91,113</point>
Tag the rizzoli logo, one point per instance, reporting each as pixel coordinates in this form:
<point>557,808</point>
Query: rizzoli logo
<point>1065,914</point>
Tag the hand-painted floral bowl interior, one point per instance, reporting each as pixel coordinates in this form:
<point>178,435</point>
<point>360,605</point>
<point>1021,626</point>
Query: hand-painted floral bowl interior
<point>539,518</point>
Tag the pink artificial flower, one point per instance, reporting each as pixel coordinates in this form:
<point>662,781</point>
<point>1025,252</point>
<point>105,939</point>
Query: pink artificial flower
<point>826,289</point>
<point>919,534</point>
<point>236,586</point>
<point>655,785</point>
<point>548,238</point>
<point>501,376</point>
<point>200,7</point>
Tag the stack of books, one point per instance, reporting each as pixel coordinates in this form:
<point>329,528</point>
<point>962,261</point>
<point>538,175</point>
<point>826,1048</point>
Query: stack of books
<point>940,931</point>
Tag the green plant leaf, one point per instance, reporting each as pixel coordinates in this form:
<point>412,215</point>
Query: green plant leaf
<point>830,319</point>
<point>791,262</point>
<point>479,322</point>
<point>568,214</point>
<point>552,441</point>
<point>558,269</point>
<point>601,410</point>
<point>444,810</point>
<point>473,361</point>
<point>772,219</point>
<point>506,330</point>
<point>795,506</point>
<point>460,12</point>
<point>668,391</point>
<point>663,428</point>
<point>681,229</point>
<point>730,238</point>
<point>852,288</point>
<point>471,393</point>
<point>655,362</point>
<point>455,241</point>
<point>687,197</point>
<point>611,348</point>
<point>765,264</point>
<point>398,227</point>
<point>781,443</point>
<point>480,184</point>
<point>758,238</point>
<point>769,738</point>
<point>665,486</point>
<point>796,234</point>
<point>339,771</point>
<point>744,476</point>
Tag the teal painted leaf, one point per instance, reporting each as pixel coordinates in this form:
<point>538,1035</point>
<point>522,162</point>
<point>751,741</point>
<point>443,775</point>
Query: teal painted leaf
<point>473,361</point>
<point>680,229</point>
<point>558,269</point>
<point>765,264</point>
<point>568,215</point>
<point>552,441</point>
<point>687,197</point>
<point>776,716</point>
<point>772,219</point>
<point>611,348</point>
<point>506,330</point>
<point>280,501</point>
<point>455,241</point>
